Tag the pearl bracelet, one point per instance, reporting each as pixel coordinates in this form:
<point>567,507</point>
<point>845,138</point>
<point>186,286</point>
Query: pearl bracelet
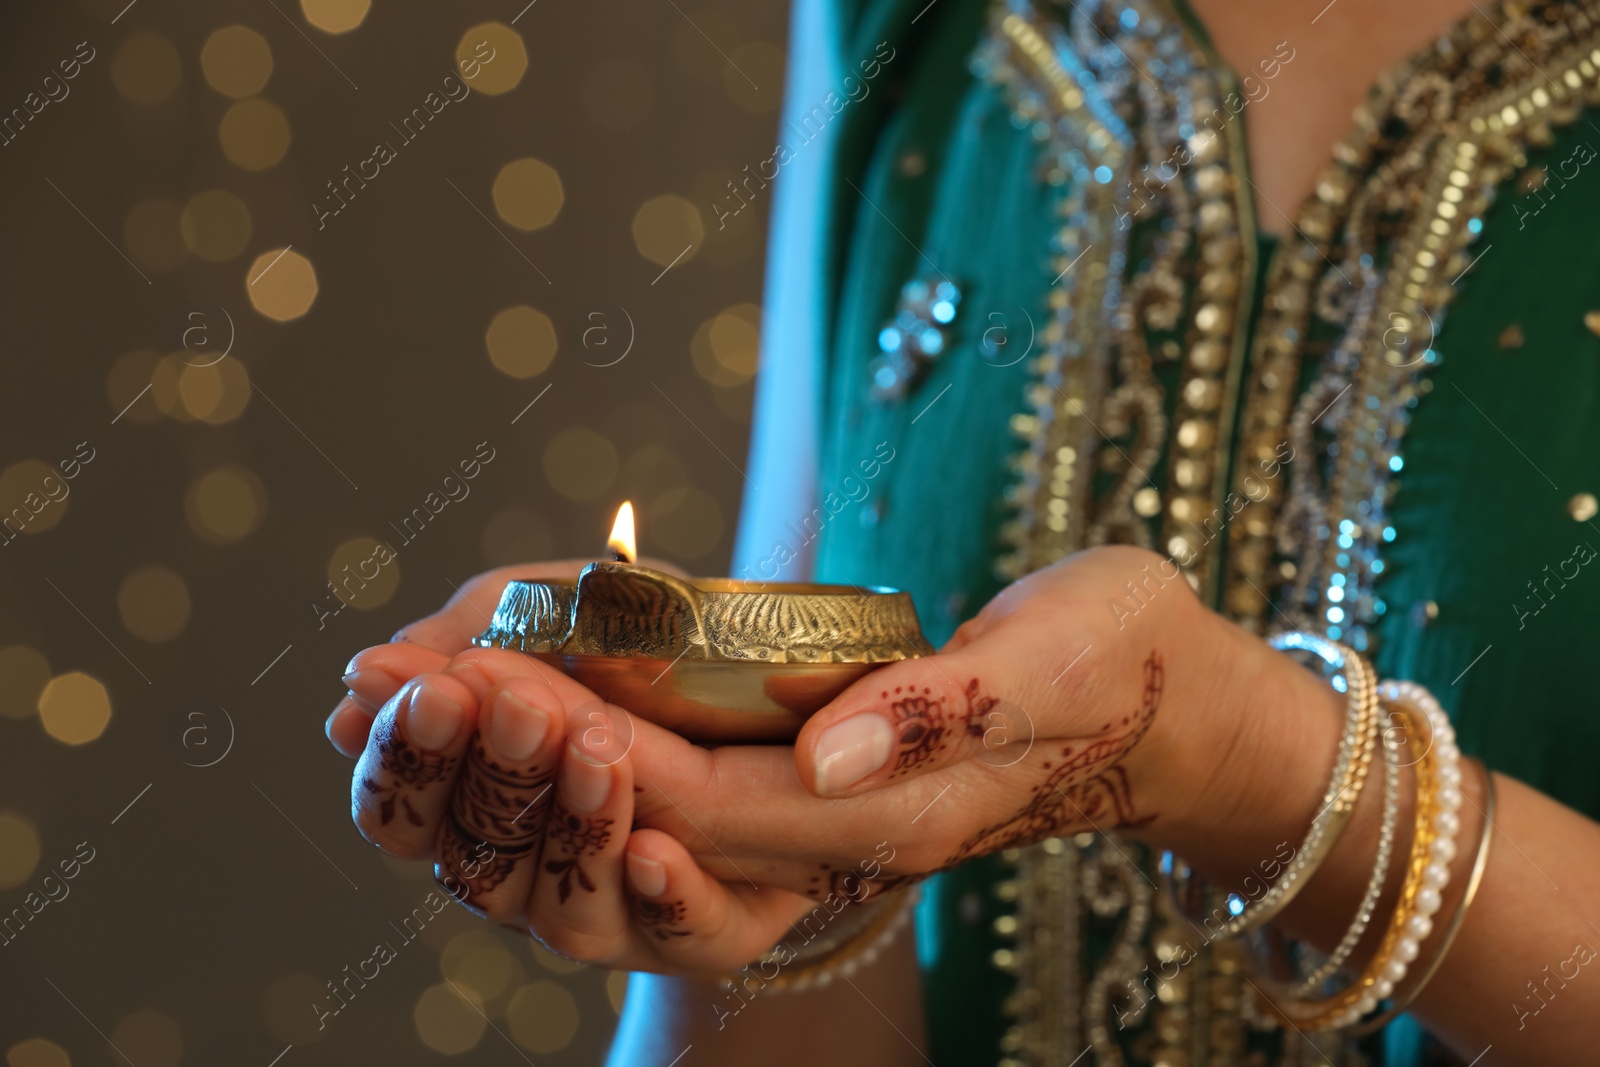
<point>1400,1001</point>
<point>1344,787</point>
<point>880,924</point>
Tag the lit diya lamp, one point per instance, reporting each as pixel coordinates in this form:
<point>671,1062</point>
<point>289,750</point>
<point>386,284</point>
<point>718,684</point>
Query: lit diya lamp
<point>715,659</point>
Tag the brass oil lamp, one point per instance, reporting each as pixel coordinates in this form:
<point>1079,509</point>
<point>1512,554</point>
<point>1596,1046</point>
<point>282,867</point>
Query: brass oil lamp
<point>714,659</point>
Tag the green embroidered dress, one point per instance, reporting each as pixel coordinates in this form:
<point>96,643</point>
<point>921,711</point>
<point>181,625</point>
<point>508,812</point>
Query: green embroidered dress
<point>1386,427</point>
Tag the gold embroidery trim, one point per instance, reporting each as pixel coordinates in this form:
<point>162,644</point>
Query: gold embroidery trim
<point>1464,138</point>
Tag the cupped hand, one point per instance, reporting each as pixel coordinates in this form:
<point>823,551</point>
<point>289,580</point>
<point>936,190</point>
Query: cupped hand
<point>517,782</point>
<point>1096,694</point>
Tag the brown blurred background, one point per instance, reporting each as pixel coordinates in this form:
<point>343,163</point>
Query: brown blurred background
<point>249,392</point>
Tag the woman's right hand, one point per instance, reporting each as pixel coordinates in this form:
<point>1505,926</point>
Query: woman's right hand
<point>515,780</point>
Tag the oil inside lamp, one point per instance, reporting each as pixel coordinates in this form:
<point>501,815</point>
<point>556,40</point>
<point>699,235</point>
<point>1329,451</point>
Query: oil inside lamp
<point>717,659</point>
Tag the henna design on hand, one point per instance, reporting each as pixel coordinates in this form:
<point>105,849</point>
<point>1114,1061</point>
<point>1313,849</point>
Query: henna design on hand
<point>660,918</point>
<point>462,866</point>
<point>497,805</point>
<point>927,729</point>
<point>1086,787</point>
<point>857,886</point>
<point>573,837</point>
<point>404,765</point>
<point>864,889</point>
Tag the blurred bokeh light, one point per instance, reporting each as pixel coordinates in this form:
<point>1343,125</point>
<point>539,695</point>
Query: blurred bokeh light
<point>500,52</point>
<point>237,61</point>
<point>449,1019</point>
<point>19,849</point>
<point>225,504</point>
<point>335,16</point>
<point>542,1017</point>
<point>215,225</point>
<point>154,603</point>
<point>74,708</point>
<point>146,69</point>
<point>149,1038</point>
<point>666,228</point>
<point>527,194</point>
<point>282,284</point>
<point>521,341</point>
<point>254,134</point>
<point>37,1052</point>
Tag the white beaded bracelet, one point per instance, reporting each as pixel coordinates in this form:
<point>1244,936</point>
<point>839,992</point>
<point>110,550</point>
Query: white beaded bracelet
<point>878,925</point>
<point>1391,968</point>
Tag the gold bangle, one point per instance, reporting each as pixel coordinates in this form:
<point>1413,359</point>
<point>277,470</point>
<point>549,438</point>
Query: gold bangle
<point>1356,749</point>
<point>1481,862</point>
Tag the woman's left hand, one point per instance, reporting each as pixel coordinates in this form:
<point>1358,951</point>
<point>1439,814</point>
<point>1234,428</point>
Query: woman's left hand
<point>1097,694</point>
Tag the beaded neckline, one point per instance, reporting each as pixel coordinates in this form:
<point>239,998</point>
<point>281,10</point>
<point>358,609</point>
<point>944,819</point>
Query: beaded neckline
<point>1299,506</point>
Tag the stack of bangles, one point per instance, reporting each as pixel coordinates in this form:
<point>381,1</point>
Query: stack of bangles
<point>1405,723</point>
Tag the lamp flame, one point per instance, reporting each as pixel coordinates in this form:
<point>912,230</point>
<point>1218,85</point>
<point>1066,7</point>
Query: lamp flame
<point>623,545</point>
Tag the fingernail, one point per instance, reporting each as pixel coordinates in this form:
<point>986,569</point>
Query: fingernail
<point>585,784</point>
<point>516,727</point>
<point>471,676</point>
<point>848,751</point>
<point>649,877</point>
<point>345,706</point>
<point>372,687</point>
<point>432,717</point>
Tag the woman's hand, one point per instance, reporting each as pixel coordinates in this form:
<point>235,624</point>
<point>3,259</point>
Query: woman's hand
<point>516,781</point>
<point>1097,694</point>
<point>376,674</point>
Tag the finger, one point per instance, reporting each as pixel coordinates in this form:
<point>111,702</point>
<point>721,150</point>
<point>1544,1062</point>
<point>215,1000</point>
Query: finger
<point>578,907</point>
<point>467,613</point>
<point>376,674</point>
<point>488,846</point>
<point>692,921</point>
<point>481,669</point>
<point>402,783</point>
<point>906,719</point>
<point>743,813</point>
<point>349,727</point>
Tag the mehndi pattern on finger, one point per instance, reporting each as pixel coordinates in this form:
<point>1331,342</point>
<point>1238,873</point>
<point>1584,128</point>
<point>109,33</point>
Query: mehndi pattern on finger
<point>500,804</point>
<point>660,918</point>
<point>1088,786</point>
<point>926,729</point>
<point>408,769</point>
<point>574,837</point>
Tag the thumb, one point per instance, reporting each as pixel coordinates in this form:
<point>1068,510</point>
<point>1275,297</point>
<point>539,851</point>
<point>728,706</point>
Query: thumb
<point>912,717</point>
